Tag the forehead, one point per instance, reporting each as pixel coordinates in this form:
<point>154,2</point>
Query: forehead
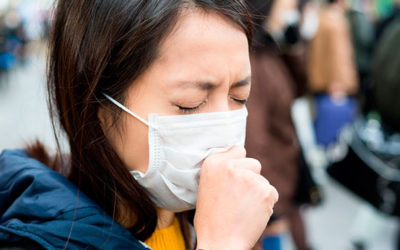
<point>205,41</point>
<point>196,22</point>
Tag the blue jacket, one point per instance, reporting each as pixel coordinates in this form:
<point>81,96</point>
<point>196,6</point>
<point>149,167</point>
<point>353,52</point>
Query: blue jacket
<point>40,206</point>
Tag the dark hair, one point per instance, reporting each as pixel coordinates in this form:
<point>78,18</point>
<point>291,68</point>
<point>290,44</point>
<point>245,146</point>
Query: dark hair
<point>103,46</point>
<point>260,10</point>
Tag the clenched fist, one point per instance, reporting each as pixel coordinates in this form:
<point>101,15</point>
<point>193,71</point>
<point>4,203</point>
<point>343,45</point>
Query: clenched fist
<point>234,202</point>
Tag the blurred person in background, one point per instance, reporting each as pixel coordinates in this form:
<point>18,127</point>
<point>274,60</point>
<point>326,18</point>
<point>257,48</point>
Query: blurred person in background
<point>21,25</point>
<point>383,23</point>
<point>12,40</point>
<point>332,73</point>
<point>362,34</point>
<point>331,66</point>
<point>155,120</point>
<point>385,76</point>
<point>278,77</point>
<point>366,34</point>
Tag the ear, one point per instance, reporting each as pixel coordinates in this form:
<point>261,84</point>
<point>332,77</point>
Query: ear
<point>104,118</point>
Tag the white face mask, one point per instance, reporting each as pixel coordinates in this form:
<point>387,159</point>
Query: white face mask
<point>178,146</point>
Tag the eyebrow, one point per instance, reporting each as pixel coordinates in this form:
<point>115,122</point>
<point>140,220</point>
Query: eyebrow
<point>209,86</point>
<point>242,83</point>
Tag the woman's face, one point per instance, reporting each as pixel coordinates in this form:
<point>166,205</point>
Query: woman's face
<point>203,66</point>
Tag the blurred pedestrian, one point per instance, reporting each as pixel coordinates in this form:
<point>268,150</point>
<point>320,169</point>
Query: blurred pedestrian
<point>385,22</point>
<point>271,136</point>
<point>332,73</point>
<point>331,66</point>
<point>386,76</point>
<point>362,34</point>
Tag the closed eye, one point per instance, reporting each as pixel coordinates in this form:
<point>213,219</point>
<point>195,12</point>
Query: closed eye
<point>244,102</point>
<point>189,110</point>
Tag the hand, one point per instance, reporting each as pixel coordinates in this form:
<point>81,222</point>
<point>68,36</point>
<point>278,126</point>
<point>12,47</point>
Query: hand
<point>234,202</point>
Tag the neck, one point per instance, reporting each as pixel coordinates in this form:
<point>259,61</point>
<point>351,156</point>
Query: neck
<point>165,218</point>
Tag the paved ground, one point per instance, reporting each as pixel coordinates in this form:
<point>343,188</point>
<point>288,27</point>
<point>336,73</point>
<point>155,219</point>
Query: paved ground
<point>23,106</point>
<point>342,217</point>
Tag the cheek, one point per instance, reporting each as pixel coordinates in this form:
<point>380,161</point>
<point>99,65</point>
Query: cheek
<point>131,144</point>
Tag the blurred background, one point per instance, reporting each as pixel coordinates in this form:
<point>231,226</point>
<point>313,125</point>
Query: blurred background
<point>328,76</point>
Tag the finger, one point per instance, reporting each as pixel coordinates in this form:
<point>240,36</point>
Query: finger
<point>274,194</point>
<point>216,160</point>
<point>261,180</point>
<point>270,211</point>
<point>270,191</point>
<point>248,164</point>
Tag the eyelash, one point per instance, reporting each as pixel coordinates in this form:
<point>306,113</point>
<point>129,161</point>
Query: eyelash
<point>244,102</point>
<point>186,110</point>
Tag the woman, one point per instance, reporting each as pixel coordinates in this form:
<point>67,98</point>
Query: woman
<point>148,93</point>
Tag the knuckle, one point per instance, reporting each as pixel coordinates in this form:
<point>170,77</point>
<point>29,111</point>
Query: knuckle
<point>266,196</point>
<point>231,171</point>
<point>248,178</point>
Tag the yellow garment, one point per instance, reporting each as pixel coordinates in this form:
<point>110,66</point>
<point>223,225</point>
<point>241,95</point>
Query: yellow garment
<point>169,238</point>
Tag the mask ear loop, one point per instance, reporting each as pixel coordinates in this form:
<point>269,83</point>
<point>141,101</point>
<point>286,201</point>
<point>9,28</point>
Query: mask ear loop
<point>128,111</point>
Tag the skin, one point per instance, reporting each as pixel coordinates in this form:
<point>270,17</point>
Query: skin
<point>199,70</point>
